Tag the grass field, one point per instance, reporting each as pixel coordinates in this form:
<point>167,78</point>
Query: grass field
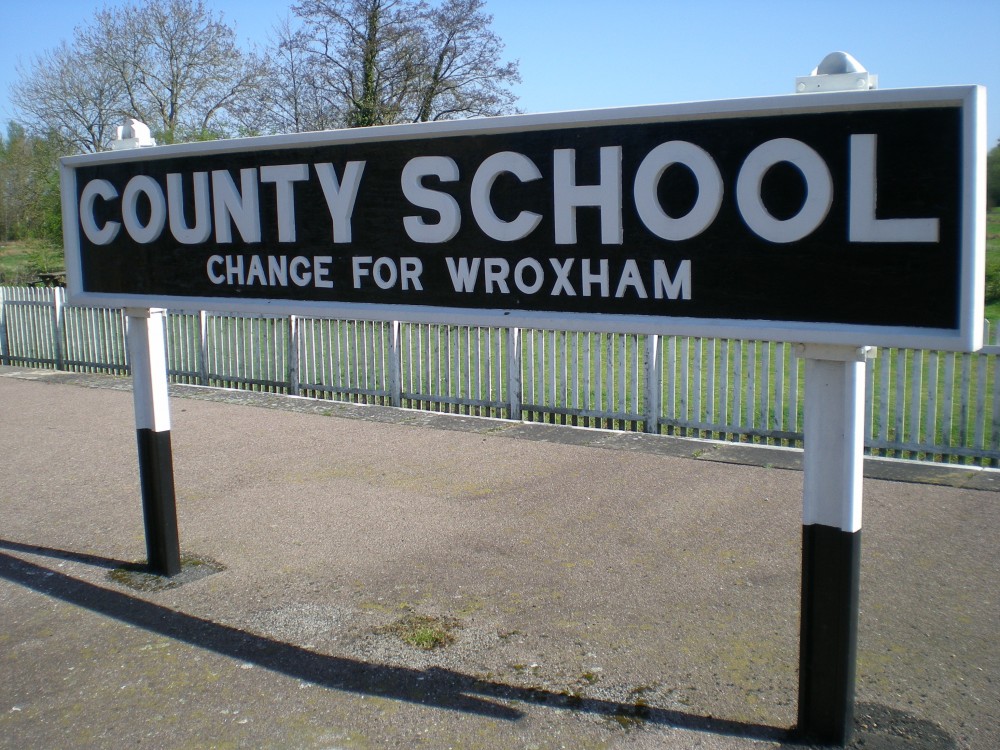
<point>21,261</point>
<point>993,265</point>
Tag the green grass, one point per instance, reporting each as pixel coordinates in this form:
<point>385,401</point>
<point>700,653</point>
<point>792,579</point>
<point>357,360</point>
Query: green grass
<point>993,266</point>
<point>22,260</point>
<point>423,631</point>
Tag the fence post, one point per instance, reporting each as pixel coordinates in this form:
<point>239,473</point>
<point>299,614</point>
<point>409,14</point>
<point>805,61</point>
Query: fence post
<point>202,347</point>
<point>654,386</point>
<point>514,371</point>
<point>395,364</point>
<point>58,301</point>
<point>4,342</point>
<point>293,355</point>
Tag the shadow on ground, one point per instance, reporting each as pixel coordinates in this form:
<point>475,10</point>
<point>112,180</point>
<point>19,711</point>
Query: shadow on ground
<point>876,727</point>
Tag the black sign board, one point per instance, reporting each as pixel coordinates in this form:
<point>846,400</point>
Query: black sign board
<point>831,218</point>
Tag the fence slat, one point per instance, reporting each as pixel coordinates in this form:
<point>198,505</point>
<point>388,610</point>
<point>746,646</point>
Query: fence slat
<point>4,345</point>
<point>927,405</point>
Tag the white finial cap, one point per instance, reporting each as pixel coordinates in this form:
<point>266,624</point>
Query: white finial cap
<point>838,71</point>
<point>133,134</point>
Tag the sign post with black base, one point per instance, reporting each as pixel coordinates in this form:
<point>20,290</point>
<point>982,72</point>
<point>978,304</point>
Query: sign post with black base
<point>831,539</point>
<point>147,354</point>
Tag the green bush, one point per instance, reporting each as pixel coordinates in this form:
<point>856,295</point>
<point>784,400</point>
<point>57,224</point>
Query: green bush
<point>993,177</point>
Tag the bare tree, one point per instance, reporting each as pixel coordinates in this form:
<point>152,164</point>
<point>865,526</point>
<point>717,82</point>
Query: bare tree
<point>294,99</point>
<point>462,74</point>
<point>66,95</point>
<point>363,52</point>
<point>177,66</point>
<point>173,64</point>
<point>390,61</point>
<point>182,71</point>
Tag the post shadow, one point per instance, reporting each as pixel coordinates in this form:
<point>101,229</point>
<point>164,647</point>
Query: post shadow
<point>60,554</point>
<point>435,687</point>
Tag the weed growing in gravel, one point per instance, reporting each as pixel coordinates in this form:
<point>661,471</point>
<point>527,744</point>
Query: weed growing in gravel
<point>423,631</point>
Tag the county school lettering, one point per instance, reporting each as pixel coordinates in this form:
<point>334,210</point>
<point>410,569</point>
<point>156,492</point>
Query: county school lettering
<point>669,219</point>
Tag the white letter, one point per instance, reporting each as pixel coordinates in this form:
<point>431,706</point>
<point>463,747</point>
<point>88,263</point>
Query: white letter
<point>215,276</point>
<point>705,208</point>
<point>256,270</point>
<point>283,175</point>
<point>445,169</point>
<point>536,267</point>
<point>340,197</point>
<point>562,277</point>
<point>98,235</point>
<point>496,271</point>
<point>864,227</point>
<point>819,190</point>
<point>380,279</point>
<point>631,278</point>
<point>240,205</point>
<point>359,272</point>
<point>463,276</point>
<point>175,201</point>
<point>234,270</point>
<point>663,284</point>
<point>322,265</point>
<point>492,167</point>
<point>410,270</point>
<point>607,195</point>
<point>277,270</point>
<point>145,185</point>
<point>588,279</point>
<point>300,278</point>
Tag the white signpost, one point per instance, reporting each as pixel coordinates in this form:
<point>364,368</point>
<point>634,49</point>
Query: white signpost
<point>147,357</point>
<point>838,221</point>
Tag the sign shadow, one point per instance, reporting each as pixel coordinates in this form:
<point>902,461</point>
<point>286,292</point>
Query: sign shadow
<point>434,687</point>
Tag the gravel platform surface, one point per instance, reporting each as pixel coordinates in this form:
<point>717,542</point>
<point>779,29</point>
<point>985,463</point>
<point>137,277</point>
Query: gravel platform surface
<point>364,577</point>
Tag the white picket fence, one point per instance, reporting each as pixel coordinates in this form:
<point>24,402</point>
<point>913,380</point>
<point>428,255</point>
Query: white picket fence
<point>925,405</point>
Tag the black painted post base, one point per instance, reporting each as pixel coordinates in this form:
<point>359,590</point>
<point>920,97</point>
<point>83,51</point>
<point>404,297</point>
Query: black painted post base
<point>159,507</point>
<point>831,573</point>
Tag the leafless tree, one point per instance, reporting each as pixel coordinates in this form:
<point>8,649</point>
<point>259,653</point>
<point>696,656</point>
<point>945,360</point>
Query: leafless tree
<point>182,70</point>
<point>462,75</point>
<point>294,99</point>
<point>390,61</point>
<point>64,94</point>
<point>362,52</point>
<point>173,64</point>
<point>177,66</point>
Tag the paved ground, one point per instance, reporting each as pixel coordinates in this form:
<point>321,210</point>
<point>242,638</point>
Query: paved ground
<point>602,590</point>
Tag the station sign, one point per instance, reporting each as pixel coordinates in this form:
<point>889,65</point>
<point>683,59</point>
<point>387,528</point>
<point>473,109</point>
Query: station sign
<point>847,218</point>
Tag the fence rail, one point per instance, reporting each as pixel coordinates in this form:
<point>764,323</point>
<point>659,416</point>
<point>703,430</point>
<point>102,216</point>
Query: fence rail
<point>925,405</point>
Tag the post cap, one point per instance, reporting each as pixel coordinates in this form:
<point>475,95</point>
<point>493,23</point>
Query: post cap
<point>838,71</point>
<point>133,134</point>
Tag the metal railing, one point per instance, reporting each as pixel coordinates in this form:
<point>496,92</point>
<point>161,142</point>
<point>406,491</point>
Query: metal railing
<point>926,405</point>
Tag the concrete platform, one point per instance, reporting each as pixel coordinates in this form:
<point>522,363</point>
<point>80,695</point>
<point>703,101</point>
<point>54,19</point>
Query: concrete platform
<point>602,590</point>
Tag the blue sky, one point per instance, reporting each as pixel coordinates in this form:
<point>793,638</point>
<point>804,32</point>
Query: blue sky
<point>584,54</point>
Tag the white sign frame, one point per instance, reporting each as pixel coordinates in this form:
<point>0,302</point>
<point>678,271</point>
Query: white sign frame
<point>966,337</point>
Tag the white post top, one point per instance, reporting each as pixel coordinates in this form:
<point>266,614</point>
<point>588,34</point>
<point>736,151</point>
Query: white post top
<point>835,352</point>
<point>838,71</point>
<point>144,312</point>
<point>133,134</point>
